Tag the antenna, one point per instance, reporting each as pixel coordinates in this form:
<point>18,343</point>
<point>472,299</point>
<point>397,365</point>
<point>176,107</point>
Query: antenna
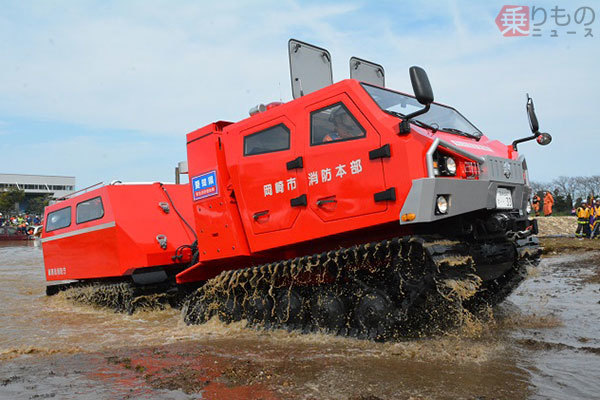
<point>279,85</point>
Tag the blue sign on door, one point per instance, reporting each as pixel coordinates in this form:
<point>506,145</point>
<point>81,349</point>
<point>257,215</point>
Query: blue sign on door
<point>205,185</point>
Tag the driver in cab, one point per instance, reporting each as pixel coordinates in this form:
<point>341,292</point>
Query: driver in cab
<point>345,127</point>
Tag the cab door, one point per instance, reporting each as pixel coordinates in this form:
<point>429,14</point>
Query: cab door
<point>268,177</point>
<point>342,180</point>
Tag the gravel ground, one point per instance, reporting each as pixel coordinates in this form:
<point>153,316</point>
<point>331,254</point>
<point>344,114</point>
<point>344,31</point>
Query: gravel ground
<point>551,226</point>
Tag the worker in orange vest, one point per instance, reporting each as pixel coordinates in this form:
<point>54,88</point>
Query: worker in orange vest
<point>548,203</point>
<point>583,220</point>
<point>536,205</point>
<point>596,222</point>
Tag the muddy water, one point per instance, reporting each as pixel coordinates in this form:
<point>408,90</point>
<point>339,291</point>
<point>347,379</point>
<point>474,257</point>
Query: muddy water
<point>544,342</point>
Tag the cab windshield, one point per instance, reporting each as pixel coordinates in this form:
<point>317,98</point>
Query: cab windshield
<point>438,117</point>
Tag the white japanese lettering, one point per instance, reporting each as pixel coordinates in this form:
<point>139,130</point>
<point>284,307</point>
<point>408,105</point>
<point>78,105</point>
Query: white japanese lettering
<point>326,175</point>
<point>57,271</point>
<point>291,184</point>
<point>313,178</point>
<point>340,170</point>
<point>279,187</point>
<point>268,189</point>
<point>355,167</point>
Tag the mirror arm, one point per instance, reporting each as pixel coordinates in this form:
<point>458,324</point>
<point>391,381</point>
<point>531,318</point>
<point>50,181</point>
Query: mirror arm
<point>405,124</point>
<point>525,139</point>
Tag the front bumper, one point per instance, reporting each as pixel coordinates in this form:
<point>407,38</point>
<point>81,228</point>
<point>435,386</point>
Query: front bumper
<point>464,195</point>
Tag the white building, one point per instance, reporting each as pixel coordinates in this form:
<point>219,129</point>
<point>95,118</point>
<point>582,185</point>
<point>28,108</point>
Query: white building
<point>56,186</point>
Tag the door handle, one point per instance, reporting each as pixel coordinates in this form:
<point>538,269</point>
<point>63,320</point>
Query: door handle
<point>260,214</point>
<point>321,202</point>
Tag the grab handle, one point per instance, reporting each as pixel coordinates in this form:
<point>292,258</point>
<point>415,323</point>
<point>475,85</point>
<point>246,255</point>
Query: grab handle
<point>260,214</point>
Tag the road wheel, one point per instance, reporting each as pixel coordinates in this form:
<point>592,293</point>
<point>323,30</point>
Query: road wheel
<point>328,311</point>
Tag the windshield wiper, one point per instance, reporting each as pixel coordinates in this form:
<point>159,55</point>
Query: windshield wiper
<point>433,129</point>
<point>459,132</point>
<point>394,113</point>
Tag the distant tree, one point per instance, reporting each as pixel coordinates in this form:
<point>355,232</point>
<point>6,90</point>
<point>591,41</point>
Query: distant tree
<point>36,205</point>
<point>9,198</point>
<point>538,187</point>
<point>595,184</point>
<point>584,186</point>
<point>560,202</point>
<point>569,202</point>
<point>566,185</point>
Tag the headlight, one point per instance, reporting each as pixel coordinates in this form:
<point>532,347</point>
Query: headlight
<point>450,165</point>
<point>442,204</point>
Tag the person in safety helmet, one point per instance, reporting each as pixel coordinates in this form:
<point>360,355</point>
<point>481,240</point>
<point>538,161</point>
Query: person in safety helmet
<point>583,220</point>
<point>595,220</point>
<point>345,126</point>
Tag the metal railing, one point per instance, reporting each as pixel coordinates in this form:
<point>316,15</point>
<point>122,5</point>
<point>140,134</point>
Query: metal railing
<point>80,191</point>
<point>439,142</point>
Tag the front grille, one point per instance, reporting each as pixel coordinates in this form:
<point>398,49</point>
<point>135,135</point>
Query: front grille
<point>494,170</point>
<point>472,170</point>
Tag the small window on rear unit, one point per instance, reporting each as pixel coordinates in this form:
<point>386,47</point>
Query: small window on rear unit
<point>90,210</point>
<point>269,140</point>
<point>58,219</point>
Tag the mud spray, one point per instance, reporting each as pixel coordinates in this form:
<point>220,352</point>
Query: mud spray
<point>532,346</point>
<point>395,289</point>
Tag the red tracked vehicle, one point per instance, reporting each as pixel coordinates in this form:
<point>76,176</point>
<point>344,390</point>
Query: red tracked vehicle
<point>351,208</point>
<point>105,233</point>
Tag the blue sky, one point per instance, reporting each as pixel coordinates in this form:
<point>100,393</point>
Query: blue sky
<point>107,90</point>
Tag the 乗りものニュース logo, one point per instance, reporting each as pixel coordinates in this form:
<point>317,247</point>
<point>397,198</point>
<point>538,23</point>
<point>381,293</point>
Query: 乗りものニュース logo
<point>513,20</point>
<point>551,22</point>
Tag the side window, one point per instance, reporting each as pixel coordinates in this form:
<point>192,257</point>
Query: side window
<point>269,140</point>
<point>59,219</point>
<point>90,210</point>
<point>334,124</point>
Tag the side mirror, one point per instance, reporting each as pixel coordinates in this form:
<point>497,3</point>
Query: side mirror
<point>533,122</point>
<point>423,94</point>
<point>421,85</point>
<point>541,138</point>
<point>544,138</point>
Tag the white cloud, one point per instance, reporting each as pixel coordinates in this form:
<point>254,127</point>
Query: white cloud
<point>164,70</point>
<point>94,159</point>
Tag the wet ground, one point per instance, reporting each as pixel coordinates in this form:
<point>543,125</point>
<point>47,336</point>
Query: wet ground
<point>544,342</point>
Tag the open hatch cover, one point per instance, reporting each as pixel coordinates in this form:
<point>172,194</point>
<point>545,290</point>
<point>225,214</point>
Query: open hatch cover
<point>367,71</point>
<point>310,68</point>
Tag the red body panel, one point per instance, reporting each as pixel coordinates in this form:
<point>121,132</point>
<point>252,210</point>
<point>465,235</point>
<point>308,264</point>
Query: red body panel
<point>124,238</point>
<point>263,226</point>
<point>255,208</point>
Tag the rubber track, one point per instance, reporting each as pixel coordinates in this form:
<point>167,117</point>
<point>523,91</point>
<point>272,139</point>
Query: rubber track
<point>385,290</point>
<point>126,296</point>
